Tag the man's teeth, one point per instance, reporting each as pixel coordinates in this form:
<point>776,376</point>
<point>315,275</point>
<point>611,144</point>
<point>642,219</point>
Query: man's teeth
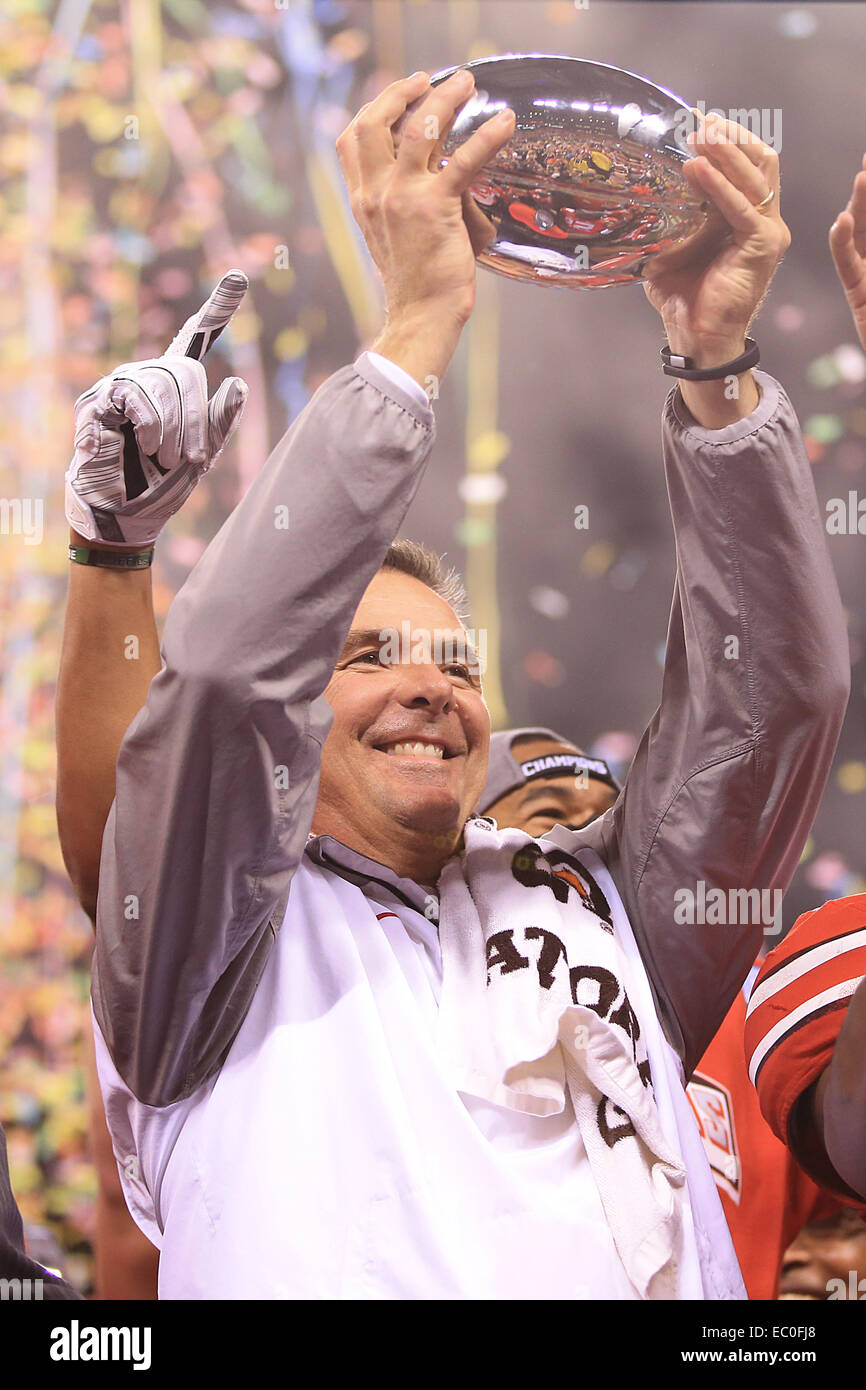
<point>416,750</point>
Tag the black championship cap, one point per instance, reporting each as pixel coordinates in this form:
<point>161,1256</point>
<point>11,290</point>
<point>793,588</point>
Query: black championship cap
<point>505,773</point>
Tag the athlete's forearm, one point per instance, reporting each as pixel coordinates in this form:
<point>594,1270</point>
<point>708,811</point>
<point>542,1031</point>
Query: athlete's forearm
<point>109,656</point>
<point>840,1098</point>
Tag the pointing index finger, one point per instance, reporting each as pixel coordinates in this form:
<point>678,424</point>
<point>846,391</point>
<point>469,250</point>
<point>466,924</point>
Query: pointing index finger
<point>202,329</point>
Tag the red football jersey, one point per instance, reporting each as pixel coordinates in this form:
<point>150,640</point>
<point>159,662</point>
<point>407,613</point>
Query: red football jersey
<point>766,1196</point>
<point>797,1008</point>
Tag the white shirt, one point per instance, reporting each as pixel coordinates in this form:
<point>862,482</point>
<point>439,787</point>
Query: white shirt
<point>331,1157</point>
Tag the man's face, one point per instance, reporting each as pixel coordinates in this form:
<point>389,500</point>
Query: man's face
<point>824,1250</point>
<point>406,757</point>
<point>548,801</point>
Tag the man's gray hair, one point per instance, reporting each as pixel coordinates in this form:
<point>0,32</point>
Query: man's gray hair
<point>414,559</point>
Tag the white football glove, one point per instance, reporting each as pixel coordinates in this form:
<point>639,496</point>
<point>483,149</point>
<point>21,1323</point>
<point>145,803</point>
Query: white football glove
<point>145,434</point>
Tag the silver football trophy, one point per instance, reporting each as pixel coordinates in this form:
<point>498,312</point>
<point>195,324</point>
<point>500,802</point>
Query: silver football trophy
<point>590,186</point>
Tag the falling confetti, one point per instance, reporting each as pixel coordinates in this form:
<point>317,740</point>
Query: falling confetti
<point>597,559</point>
<point>798,24</point>
<point>851,777</point>
<point>789,317</point>
<point>550,602</point>
<point>825,429</point>
<point>540,666</point>
<point>482,487</point>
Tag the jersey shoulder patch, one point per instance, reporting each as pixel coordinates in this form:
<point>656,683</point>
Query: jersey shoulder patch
<point>714,1111</point>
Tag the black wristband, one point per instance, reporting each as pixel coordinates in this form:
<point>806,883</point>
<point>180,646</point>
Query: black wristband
<point>675,365</point>
<point>111,559</point>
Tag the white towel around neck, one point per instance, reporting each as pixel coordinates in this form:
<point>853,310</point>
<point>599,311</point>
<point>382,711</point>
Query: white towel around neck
<point>540,993</point>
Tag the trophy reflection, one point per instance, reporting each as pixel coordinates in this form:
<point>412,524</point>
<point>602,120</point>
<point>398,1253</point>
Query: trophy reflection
<point>590,186</point>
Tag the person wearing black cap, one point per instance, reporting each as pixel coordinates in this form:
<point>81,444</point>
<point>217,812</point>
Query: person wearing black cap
<point>548,781</point>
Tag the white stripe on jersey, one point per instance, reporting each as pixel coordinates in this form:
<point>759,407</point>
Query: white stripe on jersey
<point>790,1020</point>
<point>802,964</point>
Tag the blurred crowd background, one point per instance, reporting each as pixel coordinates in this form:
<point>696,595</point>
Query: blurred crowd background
<point>148,146</point>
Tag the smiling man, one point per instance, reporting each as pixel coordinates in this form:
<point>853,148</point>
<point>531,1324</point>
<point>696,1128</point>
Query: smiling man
<point>408,744</point>
<point>353,1041</point>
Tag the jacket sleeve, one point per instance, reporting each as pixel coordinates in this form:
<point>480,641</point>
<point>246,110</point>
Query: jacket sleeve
<point>727,779</point>
<point>218,774</point>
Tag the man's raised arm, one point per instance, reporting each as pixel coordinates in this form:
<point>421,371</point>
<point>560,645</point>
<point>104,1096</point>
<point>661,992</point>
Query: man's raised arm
<point>140,450</point>
<point>728,777</point>
<point>217,776</point>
